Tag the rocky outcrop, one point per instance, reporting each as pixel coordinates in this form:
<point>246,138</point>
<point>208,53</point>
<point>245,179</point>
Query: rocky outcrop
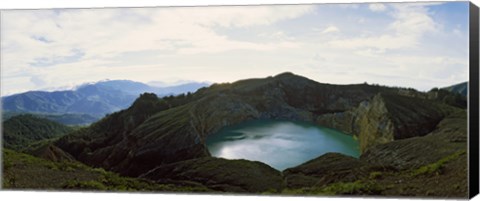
<point>220,174</point>
<point>374,123</point>
<point>343,121</point>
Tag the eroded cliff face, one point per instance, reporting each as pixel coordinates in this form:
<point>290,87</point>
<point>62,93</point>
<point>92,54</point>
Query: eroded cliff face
<point>387,117</point>
<point>373,123</point>
<point>343,121</point>
<point>370,122</point>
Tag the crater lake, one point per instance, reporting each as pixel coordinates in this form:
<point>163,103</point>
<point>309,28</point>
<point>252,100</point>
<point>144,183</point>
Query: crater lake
<point>280,144</point>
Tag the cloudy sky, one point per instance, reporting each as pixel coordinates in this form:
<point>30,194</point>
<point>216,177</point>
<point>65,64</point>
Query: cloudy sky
<point>419,45</point>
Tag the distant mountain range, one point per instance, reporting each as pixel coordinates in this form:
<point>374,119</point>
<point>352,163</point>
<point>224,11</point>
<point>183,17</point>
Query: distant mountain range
<point>93,99</point>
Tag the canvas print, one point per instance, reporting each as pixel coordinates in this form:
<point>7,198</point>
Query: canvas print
<point>364,99</point>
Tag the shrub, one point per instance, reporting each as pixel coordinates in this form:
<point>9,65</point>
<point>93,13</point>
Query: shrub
<point>436,168</point>
<point>357,187</point>
<point>87,185</point>
<point>375,175</point>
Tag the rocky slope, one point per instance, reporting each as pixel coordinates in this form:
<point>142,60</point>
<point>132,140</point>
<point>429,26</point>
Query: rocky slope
<point>220,174</point>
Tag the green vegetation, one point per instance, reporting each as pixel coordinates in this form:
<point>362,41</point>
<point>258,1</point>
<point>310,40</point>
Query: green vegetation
<point>19,169</point>
<point>340,188</point>
<point>357,187</point>
<point>375,175</point>
<point>436,168</point>
<point>22,130</point>
<point>446,177</point>
<point>109,181</point>
<point>105,132</point>
<point>70,119</point>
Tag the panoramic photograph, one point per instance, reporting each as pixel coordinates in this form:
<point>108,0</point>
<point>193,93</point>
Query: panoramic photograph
<point>365,99</point>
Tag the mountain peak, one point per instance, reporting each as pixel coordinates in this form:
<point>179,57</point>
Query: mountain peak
<point>286,74</point>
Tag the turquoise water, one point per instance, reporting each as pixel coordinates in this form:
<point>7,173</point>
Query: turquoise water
<point>280,144</point>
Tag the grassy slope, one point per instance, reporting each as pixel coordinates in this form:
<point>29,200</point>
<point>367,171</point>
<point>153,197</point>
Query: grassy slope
<point>444,178</point>
<point>71,119</point>
<point>22,130</point>
<point>19,169</point>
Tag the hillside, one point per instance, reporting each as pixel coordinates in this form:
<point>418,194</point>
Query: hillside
<point>461,88</point>
<point>23,130</point>
<point>19,169</point>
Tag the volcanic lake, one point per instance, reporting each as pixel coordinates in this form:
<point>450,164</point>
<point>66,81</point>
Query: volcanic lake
<point>280,144</point>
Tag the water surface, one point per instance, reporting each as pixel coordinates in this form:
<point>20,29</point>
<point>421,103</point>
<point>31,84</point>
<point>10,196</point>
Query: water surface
<point>280,144</point>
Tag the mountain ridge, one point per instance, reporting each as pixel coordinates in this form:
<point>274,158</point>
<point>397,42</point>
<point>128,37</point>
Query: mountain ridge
<point>460,88</point>
<point>176,133</point>
<point>94,99</point>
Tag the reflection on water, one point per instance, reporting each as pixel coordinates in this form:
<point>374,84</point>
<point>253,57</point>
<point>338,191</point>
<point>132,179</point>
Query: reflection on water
<point>280,144</point>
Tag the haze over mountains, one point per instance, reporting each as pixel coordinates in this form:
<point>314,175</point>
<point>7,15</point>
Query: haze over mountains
<point>88,102</point>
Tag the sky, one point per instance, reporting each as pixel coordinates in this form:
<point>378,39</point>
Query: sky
<point>418,45</point>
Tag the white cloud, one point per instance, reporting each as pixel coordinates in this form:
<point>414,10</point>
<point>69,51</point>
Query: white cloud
<point>348,5</point>
<point>377,7</point>
<point>457,32</point>
<point>223,44</point>
<point>411,23</point>
<point>34,41</point>
<point>109,31</point>
<point>330,29</point>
